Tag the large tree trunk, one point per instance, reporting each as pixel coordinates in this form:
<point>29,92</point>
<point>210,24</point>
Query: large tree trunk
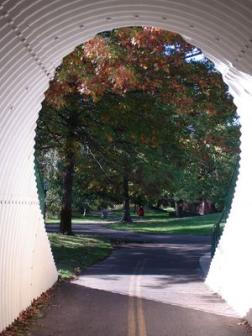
<point>126,207</point>
<point>66,210</point>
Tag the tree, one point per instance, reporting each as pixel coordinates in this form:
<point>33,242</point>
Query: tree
<point>131,97</point>
<point>65,130</point>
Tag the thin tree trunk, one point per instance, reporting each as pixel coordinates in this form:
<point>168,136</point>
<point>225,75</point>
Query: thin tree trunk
<point>126,207</point>
<point>66,210</point>
<point>202,210</point>
<point>159,202</point>
<point>179,208</point>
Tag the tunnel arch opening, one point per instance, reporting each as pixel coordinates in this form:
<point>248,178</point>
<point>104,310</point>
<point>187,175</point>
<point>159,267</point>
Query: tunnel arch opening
<point>191,55</point>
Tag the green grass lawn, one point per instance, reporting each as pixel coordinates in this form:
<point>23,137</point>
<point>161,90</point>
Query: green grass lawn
<point>72,254</point>
<point>76,220</point>
<point>160,223</point>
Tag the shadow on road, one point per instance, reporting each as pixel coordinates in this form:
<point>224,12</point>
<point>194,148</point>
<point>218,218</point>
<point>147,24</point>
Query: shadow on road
<point>76,310</point>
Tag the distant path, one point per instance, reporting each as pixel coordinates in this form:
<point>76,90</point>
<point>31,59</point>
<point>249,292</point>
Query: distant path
<point>152,287</point>
<point>97,228</point>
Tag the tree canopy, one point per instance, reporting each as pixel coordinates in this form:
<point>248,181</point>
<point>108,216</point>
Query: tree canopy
<point>132,114</point>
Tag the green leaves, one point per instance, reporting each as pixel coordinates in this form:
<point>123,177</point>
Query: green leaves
<point>134,100</point>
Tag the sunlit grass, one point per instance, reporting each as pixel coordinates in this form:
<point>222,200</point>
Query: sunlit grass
<point>154,222</point>
<point>162,224</point>
<point>72,254</point>
<point>76,220</point>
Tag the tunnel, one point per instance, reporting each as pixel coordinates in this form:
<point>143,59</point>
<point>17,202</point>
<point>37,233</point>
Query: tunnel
<point>35,35</point>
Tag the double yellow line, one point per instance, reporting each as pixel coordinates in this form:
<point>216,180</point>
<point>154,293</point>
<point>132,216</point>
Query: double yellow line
<point>136,319</point>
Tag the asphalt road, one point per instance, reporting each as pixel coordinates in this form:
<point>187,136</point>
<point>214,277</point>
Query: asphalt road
<point>153,288</point>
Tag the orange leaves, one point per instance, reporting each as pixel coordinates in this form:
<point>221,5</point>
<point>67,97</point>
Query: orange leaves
<point>144,59</point>
<point>210,109</point>
<point>109,138</point>
<point>220,143</point>
<point>185,102</point>
<point>123,78</point>
<point>92,88</point>
<point>129,59</point>
<point>150,38</point>
<point>56,92</point>
<point>143,140</point>
<point>119,79</point>
<point>96,49</point>
<point>23,323</point>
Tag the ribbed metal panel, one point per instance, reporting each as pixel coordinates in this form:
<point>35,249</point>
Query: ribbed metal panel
<point>34,37</point>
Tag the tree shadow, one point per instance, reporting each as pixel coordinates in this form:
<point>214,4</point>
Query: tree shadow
<point>77,310</point>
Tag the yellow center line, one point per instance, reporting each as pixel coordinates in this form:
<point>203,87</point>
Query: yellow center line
<point>140,311</point>
<point>132,324</point>
<point>131,318</point>
<point>136,318</point>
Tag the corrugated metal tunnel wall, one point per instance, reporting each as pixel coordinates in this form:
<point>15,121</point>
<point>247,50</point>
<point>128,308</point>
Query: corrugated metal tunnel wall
<point>34,37</point>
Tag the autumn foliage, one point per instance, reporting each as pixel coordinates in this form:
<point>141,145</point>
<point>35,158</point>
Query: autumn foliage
<point>138,104</point>
<point>144,59</point>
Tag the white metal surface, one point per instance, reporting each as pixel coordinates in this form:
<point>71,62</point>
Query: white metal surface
<point>34,37</point>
